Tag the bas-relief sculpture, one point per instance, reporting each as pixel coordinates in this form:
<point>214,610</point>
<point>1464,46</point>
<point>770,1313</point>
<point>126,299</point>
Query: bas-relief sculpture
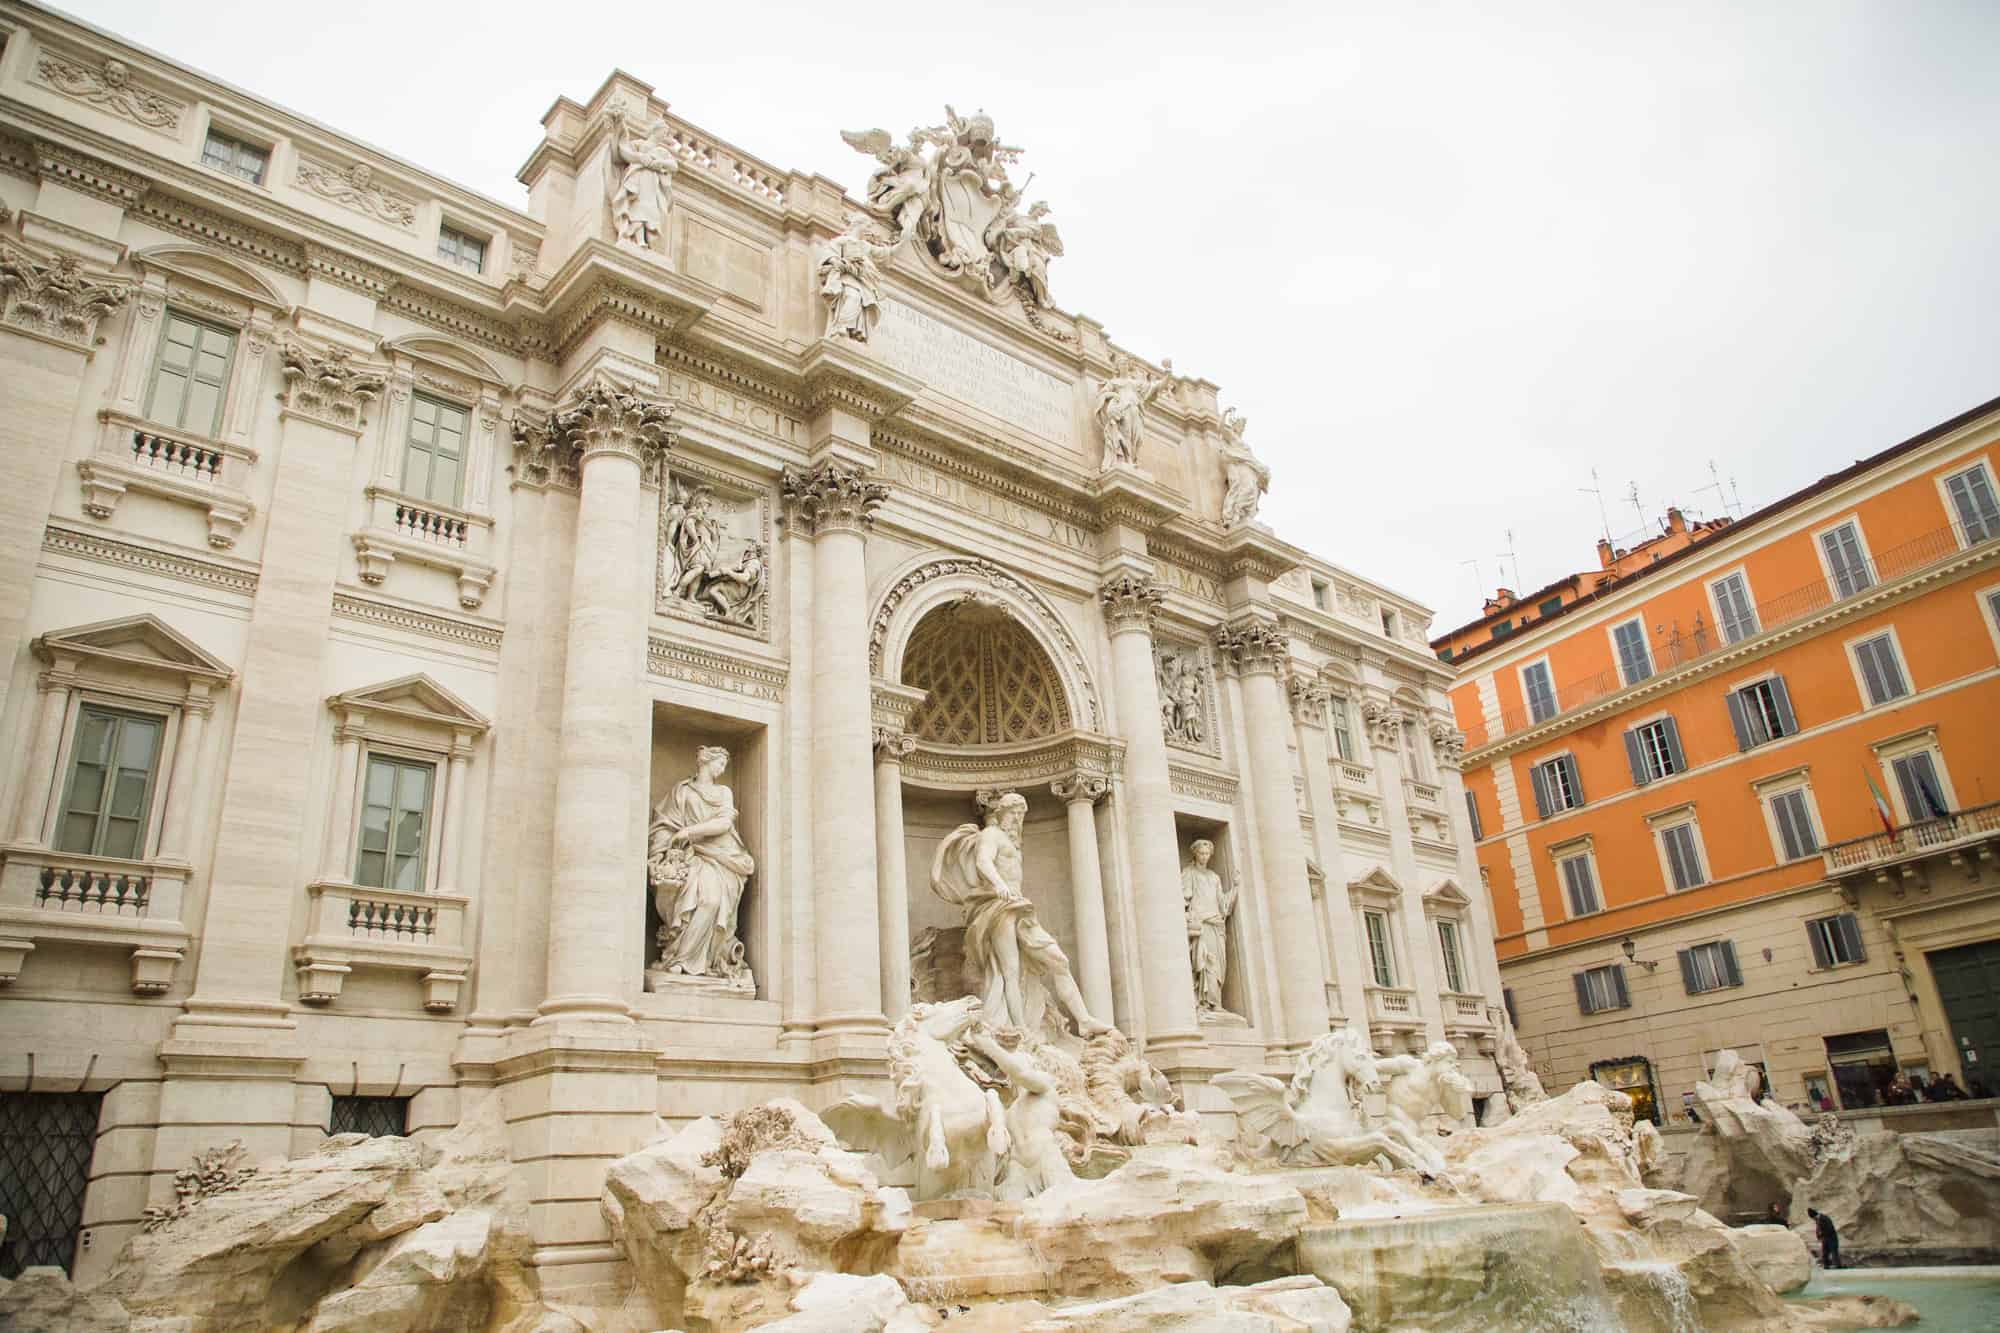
<point>1208,902</point>
<point>1183,679</point>
<point>697,867</point>
<point>1244,477</point>
<point>643,188</point>
<point>698,572</point>
<point>1119,407</point>
<point>850,284</point>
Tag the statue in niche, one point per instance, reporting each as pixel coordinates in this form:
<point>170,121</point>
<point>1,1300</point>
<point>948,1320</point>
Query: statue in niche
<point>1182,686</point>
<point>1208,902</point>
<point>849,282</point>
<point>978,869</point>
<point>644,187</point>
<point>1244,476</point>
<point>694,571</point>
<point>1119,403</point>
<point>1022,246</point>
<point>697,867</point>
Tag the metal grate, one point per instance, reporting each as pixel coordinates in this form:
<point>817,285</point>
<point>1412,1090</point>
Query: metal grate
<point>377,1117</point>
<point>46,1139</point>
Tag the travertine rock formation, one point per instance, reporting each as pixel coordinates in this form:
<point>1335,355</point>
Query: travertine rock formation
<point>1899,1192</point>
<point>1282,1305</point>
<point>1749,1152</point>
<point>1776,1254</point>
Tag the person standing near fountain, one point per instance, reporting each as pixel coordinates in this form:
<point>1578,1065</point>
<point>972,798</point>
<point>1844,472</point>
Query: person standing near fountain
<point>1829,1239</point>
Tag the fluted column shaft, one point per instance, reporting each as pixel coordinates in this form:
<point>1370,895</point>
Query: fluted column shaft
<point>892,875</point>
<point>1385,733</point>
<point>1260,653</point>
<point>38,781</point>
<point>838,503</point>
<point>1080,794</point>
<point>1165,971</point>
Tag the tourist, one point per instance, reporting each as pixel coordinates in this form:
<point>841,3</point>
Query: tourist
<point>1944,1088</point>
<point>1829,1239</point>
<point>1899,1092</point>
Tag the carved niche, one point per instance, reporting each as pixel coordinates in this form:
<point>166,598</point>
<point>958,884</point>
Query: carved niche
<point>714,562</point>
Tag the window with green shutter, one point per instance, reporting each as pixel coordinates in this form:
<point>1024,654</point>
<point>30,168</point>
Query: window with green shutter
<point>190,375</point>
<point>434,464</point>
<point>1971,493</point>
<point>1635,660</point>
<point>1732,608</point>
<point>1541,691</point>
<point>1454,968</point>
<point>1761,711</point>
<point>1835,940</point>
<point>1654,751</point>
<point>1580,886</point>
<point>1602,988</point>
<point>395,817</point>
<point>1707,967</point>
<point>1917,781</point>
<point>1881,671</point>
<point>1683,857</point>
<point>1843,557</point>
<point>108,796</point>
<point>1796,835</point>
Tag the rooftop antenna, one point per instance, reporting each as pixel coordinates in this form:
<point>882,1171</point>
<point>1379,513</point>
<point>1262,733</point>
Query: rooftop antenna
<point>1632,494</point>
<point>1478,583</point>
<point>1597,489</point>
<point>1508,554</point>
<point>1715,484</point>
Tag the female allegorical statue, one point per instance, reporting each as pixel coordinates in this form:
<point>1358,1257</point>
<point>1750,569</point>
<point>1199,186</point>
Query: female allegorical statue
<point>697,867</point>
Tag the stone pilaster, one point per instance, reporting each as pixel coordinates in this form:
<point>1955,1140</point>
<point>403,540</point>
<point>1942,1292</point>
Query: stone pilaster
<point>1080,792</point>
<point>1385,732</point>
<point>836,503</point>
<point>1129,602</point>
<point>1309,705</point>
<point>1260,653</point>
<point>892,872</point>
<point>1448,744</point>
<point>44,743</point>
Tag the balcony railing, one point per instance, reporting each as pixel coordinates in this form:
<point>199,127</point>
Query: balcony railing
<point>349,926</point>
<point>1392,1004</point>
<point>181,467</point>
<point>403,528</point>
<point>1670,646</point>
<point>56,897</point>
<point>1912,840</point>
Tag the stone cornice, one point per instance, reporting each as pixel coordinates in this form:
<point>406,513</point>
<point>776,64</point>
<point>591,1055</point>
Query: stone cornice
<point>836,372</point>
<point>1259,553</point>
<point>90,545</point>
<point>80,171</point>
<point>345,270</point>
<point>1125,497</point>
<point>678,659</point>
<point>1057,759</point>
<point>832,497</point>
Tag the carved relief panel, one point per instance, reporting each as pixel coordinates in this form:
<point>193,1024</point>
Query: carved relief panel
<point>714,561</point>
<point>1187,697</point>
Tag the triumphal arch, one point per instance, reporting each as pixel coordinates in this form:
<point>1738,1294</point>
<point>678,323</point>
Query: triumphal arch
<point>615,655</point>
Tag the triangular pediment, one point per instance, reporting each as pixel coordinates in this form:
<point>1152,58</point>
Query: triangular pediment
<point>1377,880</point>
<point>141,641</point>
<point>211,270</point>
<point>418,697</point>
<point>1446,893</point>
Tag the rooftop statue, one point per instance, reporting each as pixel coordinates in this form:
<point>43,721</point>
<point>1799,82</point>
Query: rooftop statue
<point>1244,476</point>
<point>644,187</point>
<point>849,282</point>
<point>1119,404</point>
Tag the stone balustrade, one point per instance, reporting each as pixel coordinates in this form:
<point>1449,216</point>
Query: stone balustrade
<point>68,898</point>
<point>350,926</point>
<point>405,528</point>
<point>179,466</point>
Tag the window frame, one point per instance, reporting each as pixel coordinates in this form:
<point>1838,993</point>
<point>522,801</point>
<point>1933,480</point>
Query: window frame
<point>443,402</point>
<point>1769,791</point>
<point>1781,704</point>
<point>1943,478</point>
<point>1921,741</point>
<point>1340,719</point>
<point>1527,695</point>
<point>1819,535</point>
<point>1862,694</point>
<point>1449,933</point>
<point>1989,611</point>
<point>1640,761</point>
<point>1622,990</point>
<point>168,314</point>
<point>1618,652</point>
<point>1814,936</point>
<point>1473,817</point>
<point>1724,951</point>
<point>1716,580</point>
<point>463,234</point>
<point>1369,916</point>
<point>86,699</point>
<point>216,129</point>
<point>1548,761</point>
<point>429,860</point>
<point>1577,849</point>
<point>1668,821</point>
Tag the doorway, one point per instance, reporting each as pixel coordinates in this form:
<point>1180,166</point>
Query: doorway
<point>1968,982</point>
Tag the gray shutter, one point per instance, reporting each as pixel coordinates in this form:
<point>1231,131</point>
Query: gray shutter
<point>1850,931</point>
<point>1821,958</point>
<point>1731,973</point>
<point>1540,782</point>
<point>1583,992</point>
<point>1688,981</point>
<point>1783,698</point>
<point>1568,761</point>
<point>1472,814</point>
<point>1618,986</point>
<point>1674,746</point>
<point>1507,1002</point>
<point>1789,833</point>
<point>1739,721</point>
<point>1637,758</point>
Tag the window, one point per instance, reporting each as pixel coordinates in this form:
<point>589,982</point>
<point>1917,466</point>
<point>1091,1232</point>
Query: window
<point>1415,764</point>
<point>1844,560</point>
<point>377,1117</point>
<point>1379,957</point>
<point>1540,689</point>
<point>1796,835</point>
<point>1761,711</point>
<point>1444,653</point>
<point>1835,940</point>
<point>434,463</point>
<point>1580,885</point>
<point>1507,1003</point>
<point>455,247</point>
<point>395,813</point>
<point>1683,856</point>
<point>1863,1065</point>
<point>1472,813</point>
<point>1557,785</point>
<point>1602,988</point>
<point>1654,751</point>
<point>1343,731</point>
<point>1732,608</point>
<point>1501,629</point>
<point>110,790</point>
<point>1971,493</point>
<point>1454,970</point>
<point>1917,782</point>
<point>1550,607</point>
<point>1321,599</point>
<point>1708,967</point>
<point>1389,623</point>
<point>1635,662</point>
<point>1881,671</point>
<point>191,375</point>
<point>239,159</point>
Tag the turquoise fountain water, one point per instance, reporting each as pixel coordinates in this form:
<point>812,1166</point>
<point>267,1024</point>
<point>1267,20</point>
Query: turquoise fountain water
<point>1952,1300</point>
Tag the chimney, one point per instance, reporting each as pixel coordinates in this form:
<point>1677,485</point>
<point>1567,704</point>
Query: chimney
<point>1605,555</point>
<point>1676,521</point>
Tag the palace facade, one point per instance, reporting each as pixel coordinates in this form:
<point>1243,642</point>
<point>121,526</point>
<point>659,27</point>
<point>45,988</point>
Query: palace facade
<point>454,651</point>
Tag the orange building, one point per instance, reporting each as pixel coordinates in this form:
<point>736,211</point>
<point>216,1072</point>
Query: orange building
<point>1747,794</point>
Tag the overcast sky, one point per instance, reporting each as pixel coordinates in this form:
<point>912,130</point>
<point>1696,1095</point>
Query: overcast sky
<point>1447,259</point>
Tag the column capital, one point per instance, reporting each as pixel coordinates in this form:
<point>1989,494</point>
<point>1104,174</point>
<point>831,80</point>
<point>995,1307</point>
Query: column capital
<point>1130,601</point>
<point>601,418</point>
<point>832,497</point>
<point>1309,699</point>
<point>328,386</point>
<point>55,297</point>
<point>893,745</point>
<point>1449,743</point>
<point>1253,647</point>
<point>1080,788</point>
<point>1385,723</point>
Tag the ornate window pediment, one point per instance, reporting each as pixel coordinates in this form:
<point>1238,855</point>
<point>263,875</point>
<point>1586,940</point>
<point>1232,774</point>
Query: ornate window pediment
<point>142,641</point>
<point>416,698</point>
<point>224,277</point>
<point>1447,897</point>
<point>1378,882</point>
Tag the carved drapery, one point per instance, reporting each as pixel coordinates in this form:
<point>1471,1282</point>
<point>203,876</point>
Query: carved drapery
<point>1130,601</point>
<point>833,497</point>
<point>54,296</point>
<point>328,387</point>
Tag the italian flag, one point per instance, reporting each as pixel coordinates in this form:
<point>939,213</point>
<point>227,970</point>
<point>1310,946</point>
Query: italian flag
<point>1881,803</point>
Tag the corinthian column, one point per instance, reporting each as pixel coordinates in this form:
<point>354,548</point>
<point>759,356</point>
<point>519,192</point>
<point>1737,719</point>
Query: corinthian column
<point>615,436</point>
<point>1261,653</point>
<point>1129,601</point>
<point>1080,793</point>
<point>836,503</point>
<point>892,872</point>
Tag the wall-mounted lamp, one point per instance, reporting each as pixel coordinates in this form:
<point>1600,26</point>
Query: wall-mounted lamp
<point>1631,948</point>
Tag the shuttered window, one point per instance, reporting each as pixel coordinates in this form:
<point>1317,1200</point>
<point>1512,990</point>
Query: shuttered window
<point>1923,795</point>
<point>1602,988</point>
<point>1379,955</point>
<point>1472,813</point>
<point>1843,556</point>
<point>1454,969</point>
<point>1580,886</point>
<point>1796,836</point>
<point>1881,672</point>
<point>1635,661</point>
<point>1541,691</point>
<point>1971,494</point>
<point>1732,608</point>
<point>395,809</point>
<point>190,376</point>
<point>1343,731</point>
<point>1835,940</point>
<point>1654,751</point>
<point>1707,967</point>
<point>1683,856</point>
<point>1556,784</point>
<point>434,466</point>
<point>1761,711</point>
<point>109,794</point>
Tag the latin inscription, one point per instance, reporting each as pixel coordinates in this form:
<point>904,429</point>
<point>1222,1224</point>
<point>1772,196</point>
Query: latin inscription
<point>962,494</point>
<point>728,406</point>
<point>1186,580</point>
<point>977,373</point>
